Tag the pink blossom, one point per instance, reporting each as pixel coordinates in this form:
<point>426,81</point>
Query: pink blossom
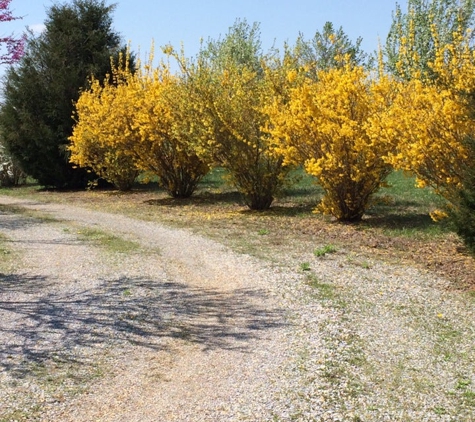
<point>14,46</point>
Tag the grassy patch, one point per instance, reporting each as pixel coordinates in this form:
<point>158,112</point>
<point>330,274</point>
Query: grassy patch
<point>107,240</point>
<point>4,250</point>
<point>56,379</point>
<point>21,415</point>
<point>25,212</point>
<point>327,249</point>
<point>358,261</point>
<point>8,256</point>
<point>402,209</point>
<point>343,349</point>
<point>324,291</point>
<point>62,376</point>
<point>464,390</point>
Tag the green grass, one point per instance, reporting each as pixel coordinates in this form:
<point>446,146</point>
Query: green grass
<point>58,379</point>
<point>13,209</point>
<point>327,249</point>
<point>402,209</point>
<point>21,415</point>
<point>7,255</point>
<point>324,291</point>
<point>4,250</point>
<point>402,187</point>
<point>107,240</point>
<point>358,261</point>
<point>302,185</point>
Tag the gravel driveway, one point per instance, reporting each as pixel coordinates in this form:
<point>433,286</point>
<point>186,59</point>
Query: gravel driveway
<point>180,328</point>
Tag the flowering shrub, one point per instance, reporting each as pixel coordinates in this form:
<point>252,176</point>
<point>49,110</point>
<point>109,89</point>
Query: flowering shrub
<point>136,123</point>
<point>326,125</point>
<point>227,90</point>
<point>14,46</point>
<point>429,125</point>
<point>236,138</point>
<point>103,120</point>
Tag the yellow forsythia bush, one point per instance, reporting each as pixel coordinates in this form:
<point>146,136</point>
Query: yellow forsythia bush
<point>326,125</point>
<point>429,125</point>
<point>241,145</point>
<point>141,120</point>
<point>103,116</point>
<point>228,104</point>
<point>431,120</point>
<point>168,142</point>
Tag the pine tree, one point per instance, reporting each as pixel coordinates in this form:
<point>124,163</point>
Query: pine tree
<point>40,92</point>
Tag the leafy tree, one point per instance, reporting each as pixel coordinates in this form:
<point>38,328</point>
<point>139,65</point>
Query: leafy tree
<point>326,126</point>
<point>328,49</point>
<point>39,93</point>
<point>13,45</point>
<point>228,88</point>
<point>412,40</point>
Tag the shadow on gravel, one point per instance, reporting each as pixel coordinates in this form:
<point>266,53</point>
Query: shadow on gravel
<point>19,283</point>
<point>14,222</point>
<point>71,326</point>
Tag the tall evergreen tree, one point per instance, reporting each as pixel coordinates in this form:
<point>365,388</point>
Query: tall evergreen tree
<point>40,92</point>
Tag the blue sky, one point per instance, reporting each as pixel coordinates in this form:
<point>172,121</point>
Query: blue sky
<point>140,21</point>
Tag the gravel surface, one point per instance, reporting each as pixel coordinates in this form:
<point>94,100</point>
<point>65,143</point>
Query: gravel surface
<point>180,328</point>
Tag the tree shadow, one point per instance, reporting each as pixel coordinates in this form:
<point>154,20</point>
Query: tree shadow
<point>16,222</point>
<point>400,221</point>
<point>293,210</point>
<point>40,323</point>
<point>200,199</point>
<point>21,283</point>
<point>11,217</point>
